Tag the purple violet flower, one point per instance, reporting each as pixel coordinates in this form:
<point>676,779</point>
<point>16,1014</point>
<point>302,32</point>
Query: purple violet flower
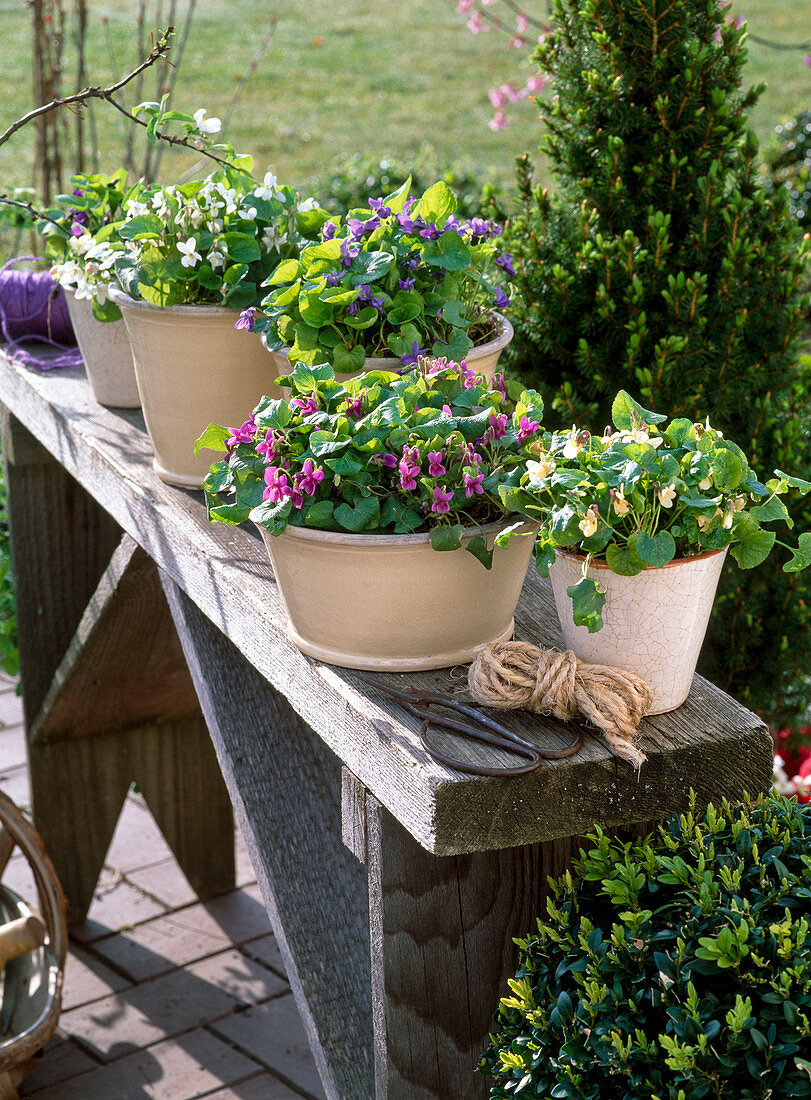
<point>371,224</point>
<point>406,284</point>
<point>405,223</point>
<point>352,309</point>
<point>526,428</point>
<point>389,460</point>
<point>416,352</point>
<point>333,278</point>
<point>328,231</point>
<point>442,500</point>
<point>356,227</point>
<point>246,319</point>
<point>505,262</point>
<point>377,303</point>
<point>430,232</point>
<point>354,407</point>
<point>380,208</point>
<point>348,253</point>
<point>364,292</point>
<point>501,301</point>
<point>435,467</point>
<point>473,484</point>
<point>477,227</point>
<point>452,224</point>
<point>77,229</point>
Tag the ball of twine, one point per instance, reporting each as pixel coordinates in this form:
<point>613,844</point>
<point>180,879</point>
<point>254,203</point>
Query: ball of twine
<point>513,675</point>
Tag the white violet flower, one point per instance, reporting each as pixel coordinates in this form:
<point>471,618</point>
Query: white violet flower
<point>666,495</point>
<point>268,189</point>
<point>188,250</point>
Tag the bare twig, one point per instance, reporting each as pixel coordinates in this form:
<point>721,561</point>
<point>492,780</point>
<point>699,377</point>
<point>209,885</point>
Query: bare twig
<point>169,139</point>
<point>32,210</point>
<point>158,51</point>
<point>81,31</point>
<point>139,84</point>
<point>155,159</point>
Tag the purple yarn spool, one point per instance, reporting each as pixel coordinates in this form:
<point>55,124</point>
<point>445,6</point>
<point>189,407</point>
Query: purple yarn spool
<point>33,307</point>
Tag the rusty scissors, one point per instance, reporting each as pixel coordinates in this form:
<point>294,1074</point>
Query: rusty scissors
<point>419,702</point>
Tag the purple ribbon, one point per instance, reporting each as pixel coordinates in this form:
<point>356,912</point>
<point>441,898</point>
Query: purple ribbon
<point>29,310</point>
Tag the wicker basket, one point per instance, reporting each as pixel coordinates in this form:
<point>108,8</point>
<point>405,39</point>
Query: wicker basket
<point>31,984</point>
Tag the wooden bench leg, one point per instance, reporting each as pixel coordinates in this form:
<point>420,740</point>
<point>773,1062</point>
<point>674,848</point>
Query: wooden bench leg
<point>441,935</point>
<point>107,697</point>
<point>286,788</point>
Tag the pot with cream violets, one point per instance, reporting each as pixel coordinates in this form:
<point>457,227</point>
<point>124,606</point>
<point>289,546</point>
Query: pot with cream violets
<point>80,238</point>
<point>634,529</point>
<point>384,285</point>
<point>194,255</point>
<point>378,500</point>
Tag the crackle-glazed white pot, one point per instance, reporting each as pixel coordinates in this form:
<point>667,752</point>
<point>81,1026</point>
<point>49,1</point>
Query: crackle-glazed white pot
<point>105,348</point>
<point>483,359</point>
<point>391,602</point>
<point>653,623</point>
<point>193,368</point>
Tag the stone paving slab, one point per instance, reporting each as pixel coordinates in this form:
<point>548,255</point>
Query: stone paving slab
<point>145,1013</point>
<point>273,1034</point>
<point>188,1067</point>
<point>266,950</point>
<point>116,905</point>
<point>88,979</point>
<point>165,882</point>
<point>258,1088</point>
<point>187,935</point>
<point>247,980</point>
<point>61,1060</point>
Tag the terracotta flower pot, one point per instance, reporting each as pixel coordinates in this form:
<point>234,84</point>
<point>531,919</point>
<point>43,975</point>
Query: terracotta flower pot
<point>653,623</point>
<point>483,358</point>
<point>193,367</point>
<point>391,602</point>
<point>105,348</point>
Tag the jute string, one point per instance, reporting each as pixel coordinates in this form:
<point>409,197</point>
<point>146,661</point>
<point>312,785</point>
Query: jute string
<point>513,675</point>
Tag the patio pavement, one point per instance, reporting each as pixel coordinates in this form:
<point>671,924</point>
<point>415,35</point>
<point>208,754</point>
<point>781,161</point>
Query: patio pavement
<point>165,997</point>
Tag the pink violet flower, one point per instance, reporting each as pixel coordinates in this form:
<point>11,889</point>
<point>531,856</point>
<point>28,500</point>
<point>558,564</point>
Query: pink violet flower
<point>497,427</point>
<point>243,434</point>
<point>267,446</point>
<point>473,484</point>
<point>448,411</point>
<point>354,407</point>
<point>442,500</point>
<point>308,406</point>
<point>310,478</point>
<point>499,121</point>
<point>277,487</point>
<point>409,468</point>
<point>526,428</point>
<point>435,467</point>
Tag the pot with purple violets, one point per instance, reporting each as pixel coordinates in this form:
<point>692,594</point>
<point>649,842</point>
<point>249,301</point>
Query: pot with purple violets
<point>388,284</point>
<point>379,502</point>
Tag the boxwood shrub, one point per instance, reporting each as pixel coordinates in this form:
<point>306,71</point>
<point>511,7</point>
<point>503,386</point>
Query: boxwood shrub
<point>677,967</point>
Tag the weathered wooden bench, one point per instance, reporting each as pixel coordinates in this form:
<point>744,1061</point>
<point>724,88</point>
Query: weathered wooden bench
<point>153,649</point>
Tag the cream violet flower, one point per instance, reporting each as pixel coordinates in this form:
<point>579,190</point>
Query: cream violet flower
<point>738,504</point>
<point>573,444</point>
<point>188,250</point>
<point>206,125</point>
<point>726,522</point>
<point>589,523</point>
<point>215,259</point>
<point>621,505</point>
<point>641,435</point>
<point>705,483</point>
<point>666,494</point>
<point>540,470</point>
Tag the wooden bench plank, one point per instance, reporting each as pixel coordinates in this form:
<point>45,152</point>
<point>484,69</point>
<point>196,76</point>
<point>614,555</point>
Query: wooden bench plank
<point>713,744</point>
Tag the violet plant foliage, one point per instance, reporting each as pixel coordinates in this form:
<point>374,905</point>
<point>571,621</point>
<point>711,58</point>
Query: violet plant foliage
<point>424,451</point>
<point>402,278</point>
<point>646,493</point>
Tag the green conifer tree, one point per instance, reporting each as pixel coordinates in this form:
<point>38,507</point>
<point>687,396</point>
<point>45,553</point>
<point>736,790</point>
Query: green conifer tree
<point>663,267</point>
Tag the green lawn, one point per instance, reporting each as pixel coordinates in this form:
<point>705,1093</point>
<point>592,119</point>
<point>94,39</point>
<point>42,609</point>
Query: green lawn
<point>339,78</point>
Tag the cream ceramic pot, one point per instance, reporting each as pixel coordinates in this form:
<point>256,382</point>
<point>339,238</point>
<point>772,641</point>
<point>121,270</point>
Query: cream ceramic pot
<point>653,623</point>
<point>105,348</point>
<point>391,602</point>
<point>483,358</point>
<point>193,368</point>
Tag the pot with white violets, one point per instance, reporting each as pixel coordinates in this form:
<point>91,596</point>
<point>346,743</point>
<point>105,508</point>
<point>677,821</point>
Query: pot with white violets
<point>191,364</point>
<point>105,348</point>
<point>635,528</point>
<point>194,258</point>
<point>389,284</point>
<point>388,538</point>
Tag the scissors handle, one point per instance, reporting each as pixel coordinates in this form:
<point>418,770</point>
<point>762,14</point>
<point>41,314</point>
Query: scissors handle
<point>418,703</point>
